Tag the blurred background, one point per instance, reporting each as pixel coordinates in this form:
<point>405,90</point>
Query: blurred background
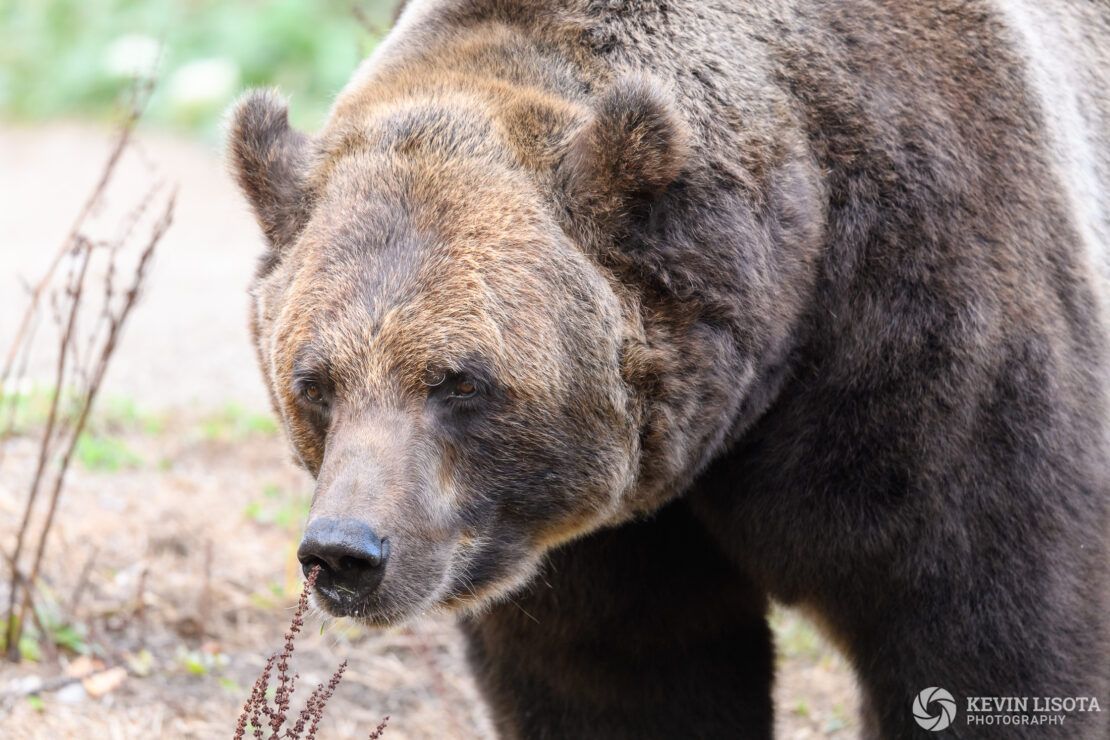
<point>169,573</point>
<point>203,51</point>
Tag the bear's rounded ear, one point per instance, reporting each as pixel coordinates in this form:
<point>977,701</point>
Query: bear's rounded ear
<point>269,160</point>
<point>632,148</point>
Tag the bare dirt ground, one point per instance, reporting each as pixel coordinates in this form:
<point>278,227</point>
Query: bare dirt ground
<point>173,555</point>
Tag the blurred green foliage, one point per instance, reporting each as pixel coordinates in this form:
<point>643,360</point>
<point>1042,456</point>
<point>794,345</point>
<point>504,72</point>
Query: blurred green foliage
<point>105,454</point>
<point>234,423</point>
<point>66,58</point>
<point>278,507</point>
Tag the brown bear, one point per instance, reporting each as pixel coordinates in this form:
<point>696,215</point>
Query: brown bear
<point>604,322</point>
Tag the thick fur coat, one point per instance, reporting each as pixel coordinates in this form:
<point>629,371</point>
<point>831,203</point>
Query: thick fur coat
<point>618,318</point>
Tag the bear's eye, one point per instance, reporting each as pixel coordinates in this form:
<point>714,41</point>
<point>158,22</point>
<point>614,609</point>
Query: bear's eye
<point>458,390</point>
<point>464,388</point>
<point>313,393</point>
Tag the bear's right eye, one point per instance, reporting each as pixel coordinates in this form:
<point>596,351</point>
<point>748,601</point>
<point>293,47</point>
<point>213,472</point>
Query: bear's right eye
<point>313,393</point>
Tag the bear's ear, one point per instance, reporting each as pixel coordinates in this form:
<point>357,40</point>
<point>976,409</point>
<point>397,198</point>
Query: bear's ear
<point>631,149</point>
<point>269,161</point>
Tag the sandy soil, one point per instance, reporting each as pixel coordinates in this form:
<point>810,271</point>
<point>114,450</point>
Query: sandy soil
<point>178,562</point>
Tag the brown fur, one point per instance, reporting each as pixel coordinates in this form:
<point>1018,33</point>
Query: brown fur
<point>821,269</point>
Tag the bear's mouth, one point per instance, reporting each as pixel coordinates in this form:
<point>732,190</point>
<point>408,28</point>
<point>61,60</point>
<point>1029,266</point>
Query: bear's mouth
<point>371,610</point>
<point>391,602</point>
<point>384,608</point>
<point>338,601</point>
<point>456,575</point>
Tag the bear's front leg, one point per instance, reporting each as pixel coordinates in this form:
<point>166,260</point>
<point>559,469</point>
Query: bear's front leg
<point>642,631</point>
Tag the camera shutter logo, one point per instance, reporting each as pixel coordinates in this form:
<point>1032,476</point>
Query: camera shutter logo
<point>934,699</point>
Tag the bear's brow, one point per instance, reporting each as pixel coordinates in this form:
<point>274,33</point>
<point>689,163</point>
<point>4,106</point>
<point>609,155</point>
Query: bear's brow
<point>472,364</point>
<point>309,365</point>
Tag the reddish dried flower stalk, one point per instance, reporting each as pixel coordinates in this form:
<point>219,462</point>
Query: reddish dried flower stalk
<point>258,706</point>
<point>377,733</point>
<point>323,699</point>
<point>284,694</point>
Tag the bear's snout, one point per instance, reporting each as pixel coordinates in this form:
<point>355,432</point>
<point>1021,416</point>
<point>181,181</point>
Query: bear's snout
<point>350,555</point>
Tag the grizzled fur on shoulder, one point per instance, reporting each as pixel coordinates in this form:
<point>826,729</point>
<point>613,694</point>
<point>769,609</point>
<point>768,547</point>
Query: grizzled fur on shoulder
<point>615,320</point>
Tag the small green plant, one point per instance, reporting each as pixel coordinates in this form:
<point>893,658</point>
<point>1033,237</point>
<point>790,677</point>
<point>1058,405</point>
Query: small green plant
<point>25,411</point>
<point>105,454</point>
<point>836,721</point>
<point>121,414</point>
<point>200,663</point>
<point>277,507</point>
<point>261,424</point>
<point>234,424</point>
<point>71,637</point>
<point>115,412</point>
<point>29,648</point>
<point>796,637</point>
<point>140,663</point>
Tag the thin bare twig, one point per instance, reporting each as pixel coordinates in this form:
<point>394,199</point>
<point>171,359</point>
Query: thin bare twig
<point>116,324</point>
<point>140,96</point>
<point>80,366</point>
<point>139,612</point>
<point>15,626</point>
<point>204,607</point>
<point>25,585</point>
<point>83,581</point>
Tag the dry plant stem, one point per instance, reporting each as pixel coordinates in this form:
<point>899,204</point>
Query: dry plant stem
<point>309,717</point>
<point>377,732</point>
<point>284,693</point>
<point>311,708</point>
<point>75,289</point>
<point>204,607</point>
<point>46,686</point>
<point>256,702</point>
<point>139,614</point>
<point>83,581</point>
<point>25,332</point>
<point>322,702</point>
<point>116,323</point>
<point>113,246</point>
<point>80,247</point>
<point>135,111</point>
<point>51,648</point>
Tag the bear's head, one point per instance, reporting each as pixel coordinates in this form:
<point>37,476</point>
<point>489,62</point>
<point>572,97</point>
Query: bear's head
<point>449,359</point>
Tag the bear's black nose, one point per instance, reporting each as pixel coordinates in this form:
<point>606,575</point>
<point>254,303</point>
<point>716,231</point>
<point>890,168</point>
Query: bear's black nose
<point>351,557</point>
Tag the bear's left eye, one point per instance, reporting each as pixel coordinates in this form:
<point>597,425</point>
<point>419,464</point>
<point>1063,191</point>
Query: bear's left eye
<point>464,388</point>
<point>448,385</point>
